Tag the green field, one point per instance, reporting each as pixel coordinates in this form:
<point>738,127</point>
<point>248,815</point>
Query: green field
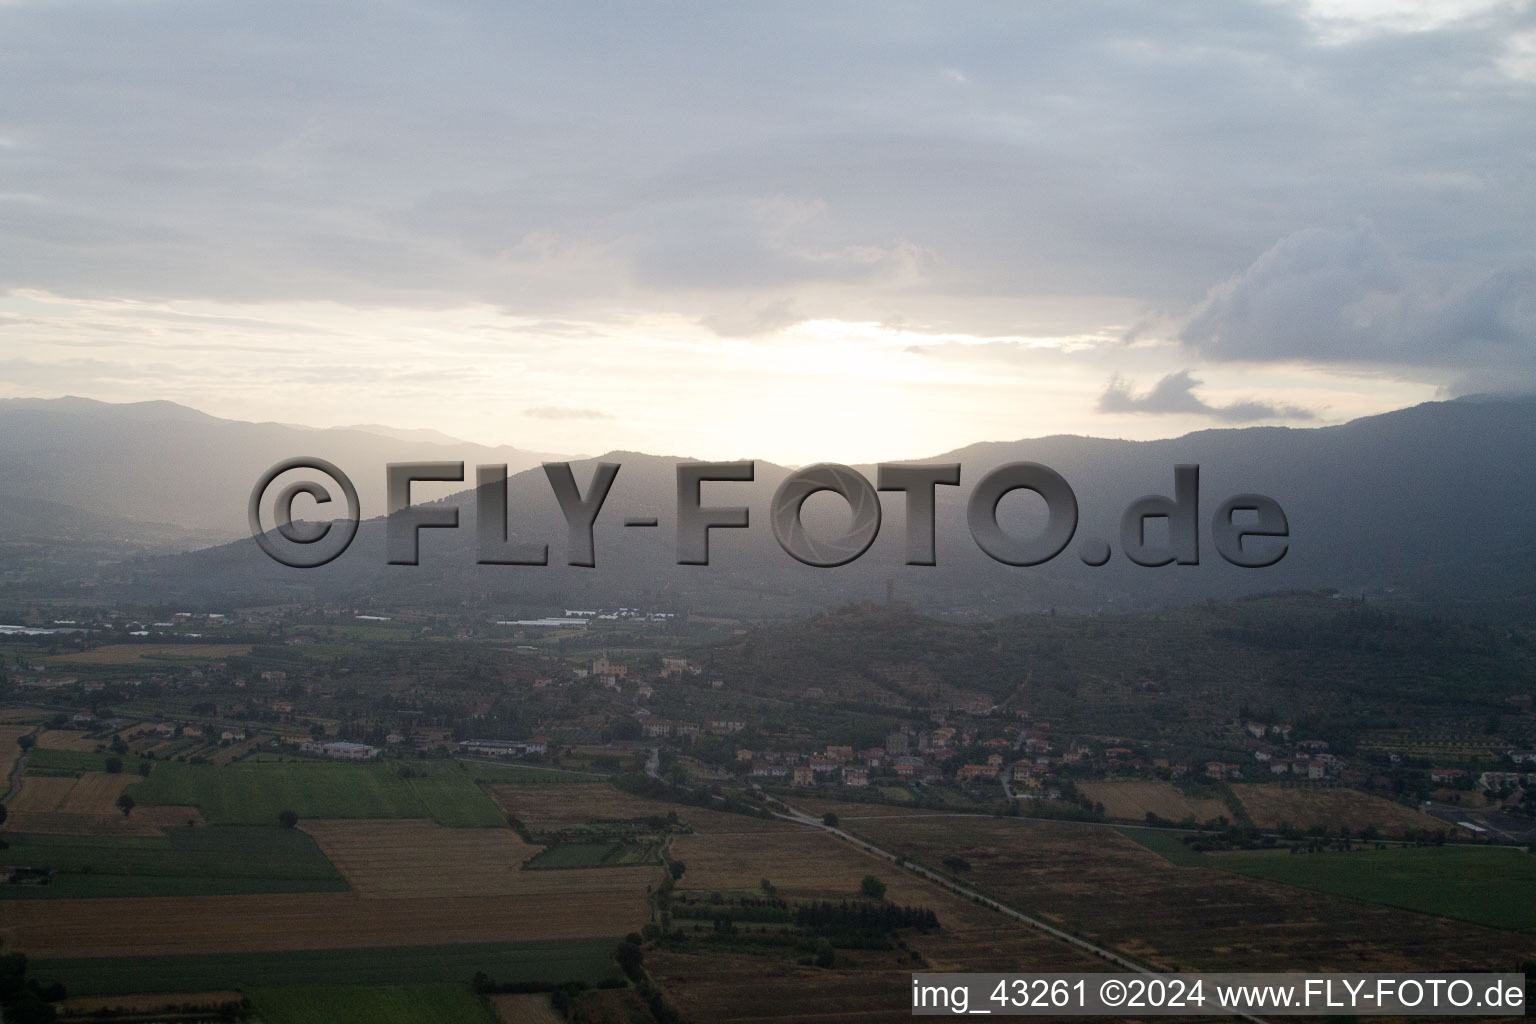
<point>1493,886</point>
<point>1166,844</point>
<point>56,761</point>
<point>552,961</point>
<point>593,855</point>
<point>254,794</point>
<point>453,799</point>
<point>184,862</point>
<point>371,1004</point>
<point>486,771</point>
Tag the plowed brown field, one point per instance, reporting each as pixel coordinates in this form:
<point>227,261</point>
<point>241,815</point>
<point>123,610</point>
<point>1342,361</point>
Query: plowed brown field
<point>169,926</point>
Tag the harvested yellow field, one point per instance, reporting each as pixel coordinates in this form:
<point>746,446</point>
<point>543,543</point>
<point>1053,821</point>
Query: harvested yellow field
<point>235,751</point>
<point>1270,806</point>
<point>41,793</point>
<point>412,857</point>
<point>95,793</point>
<point>10,753</point>
<point>1133,800</point>
<point>174,925</point>
<point>552,806</point>
<point>87,806</point>
<point>802,863</point>
<point>64,739</point>
<point>125,654</point>
<point>533,1008</point>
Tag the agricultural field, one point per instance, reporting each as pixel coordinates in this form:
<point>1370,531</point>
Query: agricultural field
<point>255,793</point>
<point>180,862</point>
<point>532,1008</point>
<point>10,752</point>
<point>588,960</point>
<point>1271,805</point>
<point>128,654</point>
<point>1495,886</point>
<point>555,808</point>
<point>83,806</point>
<point>174,925</point>
<point>42,793</point>
<point>852,809</point>
<point>1133,801</point>
<point>46,761</point>
<point>370,1004</point>
<point>95,793</point>
<point>66,739</point>
<point>1166,843</point>
<point>404,859</point>
<point>1098,883</point>
<point>453,799</point>
<point>143,1004</point>
<point>717,983</point>
<point>566,856</point>
<point>721,987</point>
<point>490,771</point>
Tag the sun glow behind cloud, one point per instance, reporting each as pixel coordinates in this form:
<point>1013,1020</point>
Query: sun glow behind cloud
<point>819,391</point>
<point>754,230</point>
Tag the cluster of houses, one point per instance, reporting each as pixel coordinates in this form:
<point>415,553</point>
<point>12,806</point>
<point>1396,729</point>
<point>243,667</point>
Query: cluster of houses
<point>911,756</point>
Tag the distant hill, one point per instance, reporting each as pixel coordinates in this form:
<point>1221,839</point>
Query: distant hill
<point>1334,667</point>
<point>1429,507</point>
<point>164,464</point>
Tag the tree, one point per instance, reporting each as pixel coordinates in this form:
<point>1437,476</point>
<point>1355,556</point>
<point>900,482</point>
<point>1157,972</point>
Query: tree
<point>125,804</point>
<point>678,867</point>
<point>629,958</point>
<point>144,768</point>
<point>829,819</point>
<point>872,887</point>
<point>26,743</point>
<point>114,765</point>
<point>287,819</point>
<point>3,814</point>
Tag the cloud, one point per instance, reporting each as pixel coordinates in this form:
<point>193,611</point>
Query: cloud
<point>1175,394</point>
<point>561,412</point>
<point>765,319</point>
<point>1343,296</point>
<point>1023,171</point>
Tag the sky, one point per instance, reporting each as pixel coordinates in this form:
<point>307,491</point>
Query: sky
<point>794,231</point>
